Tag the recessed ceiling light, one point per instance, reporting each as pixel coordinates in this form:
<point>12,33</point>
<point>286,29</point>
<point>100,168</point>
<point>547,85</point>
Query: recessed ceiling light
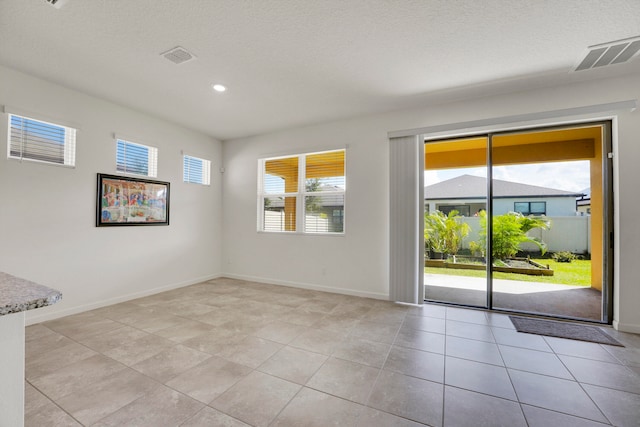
<point>219,88</point>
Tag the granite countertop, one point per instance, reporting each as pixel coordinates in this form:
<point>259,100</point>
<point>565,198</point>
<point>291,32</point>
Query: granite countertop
<point>18,295</point>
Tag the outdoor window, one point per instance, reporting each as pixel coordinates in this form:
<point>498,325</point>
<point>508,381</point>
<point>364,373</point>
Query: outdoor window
<point>136,158</point>
<point>530,208</point>
<point>463,210</point>
<point>196,170</point>
<point>41,141</point>
<point>303,193</point>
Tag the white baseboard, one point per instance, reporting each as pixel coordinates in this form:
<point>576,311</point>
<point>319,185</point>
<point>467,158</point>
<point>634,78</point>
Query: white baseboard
<point>310,286</point>
<point>626,327</point>
<point>34,317</point>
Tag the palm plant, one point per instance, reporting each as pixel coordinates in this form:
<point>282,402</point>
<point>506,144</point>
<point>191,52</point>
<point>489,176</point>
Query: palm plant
<point>444,233</point>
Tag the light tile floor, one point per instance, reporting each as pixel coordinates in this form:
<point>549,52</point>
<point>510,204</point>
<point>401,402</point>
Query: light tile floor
<point>234,353</point>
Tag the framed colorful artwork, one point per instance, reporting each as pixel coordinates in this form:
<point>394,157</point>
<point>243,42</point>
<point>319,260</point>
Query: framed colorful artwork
<point>124,200</point>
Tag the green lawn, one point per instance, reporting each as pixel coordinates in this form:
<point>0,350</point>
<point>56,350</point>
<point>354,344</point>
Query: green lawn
<point>575,273</point>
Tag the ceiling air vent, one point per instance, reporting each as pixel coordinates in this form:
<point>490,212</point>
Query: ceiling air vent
<point>56,3</point>
<point>617,52</point>
<point>178,55</point>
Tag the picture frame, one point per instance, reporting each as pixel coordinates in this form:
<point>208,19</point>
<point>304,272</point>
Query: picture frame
<point>128,201</point>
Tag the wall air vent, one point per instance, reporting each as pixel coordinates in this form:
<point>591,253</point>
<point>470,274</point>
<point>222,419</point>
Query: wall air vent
<point>617,52</point>
<point>178,55</point>
<point>56,3</point>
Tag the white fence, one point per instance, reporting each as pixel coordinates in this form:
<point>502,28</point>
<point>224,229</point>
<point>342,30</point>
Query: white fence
<point>567,233</point>
<point>275,221</point>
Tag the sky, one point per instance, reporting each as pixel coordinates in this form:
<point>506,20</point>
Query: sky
<point>569,176</point>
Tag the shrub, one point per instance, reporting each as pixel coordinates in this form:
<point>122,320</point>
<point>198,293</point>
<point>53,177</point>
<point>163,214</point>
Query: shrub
<point>509,231</point>
<point>564,256</point>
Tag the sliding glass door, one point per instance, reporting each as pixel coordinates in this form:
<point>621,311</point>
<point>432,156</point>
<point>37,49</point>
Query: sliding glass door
<point>525,223</point>
<point>455,202</point>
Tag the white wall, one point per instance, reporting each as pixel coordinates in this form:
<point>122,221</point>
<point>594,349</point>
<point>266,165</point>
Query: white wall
<point>47,213</point>
<point>357,262</point>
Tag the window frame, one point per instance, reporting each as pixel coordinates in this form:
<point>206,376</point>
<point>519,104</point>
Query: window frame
<point>152,157</point>
<point>300,195</point>
<point>528,213</point>
<point>206,170</point>
<point>68,158</point>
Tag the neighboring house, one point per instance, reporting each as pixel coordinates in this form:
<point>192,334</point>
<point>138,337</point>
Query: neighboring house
<point>467,195</point>
<point>584,202</point>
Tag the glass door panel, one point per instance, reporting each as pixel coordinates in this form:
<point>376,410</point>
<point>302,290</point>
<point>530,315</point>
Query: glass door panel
<point>455,201</point>
<point>548,223</point>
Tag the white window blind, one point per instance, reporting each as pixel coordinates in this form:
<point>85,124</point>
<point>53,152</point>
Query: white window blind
<point>41,141</point>
<point>136,158</point>
<point>303,193</point>
<point>406,220</point>
<point>196,170</point>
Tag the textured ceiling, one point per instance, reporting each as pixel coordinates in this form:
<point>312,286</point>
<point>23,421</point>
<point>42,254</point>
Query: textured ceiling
<point>288,63</point>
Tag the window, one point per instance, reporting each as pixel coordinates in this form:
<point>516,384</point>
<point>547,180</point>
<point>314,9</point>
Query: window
<point>303,193</point>
<point>41,141</point>
<point>463,210</point>
<point>136,158</point>
<point>530,208</point>
<point>196,171</point>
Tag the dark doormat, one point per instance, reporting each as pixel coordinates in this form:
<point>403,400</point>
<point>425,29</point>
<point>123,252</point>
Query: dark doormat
<point>562,330</point>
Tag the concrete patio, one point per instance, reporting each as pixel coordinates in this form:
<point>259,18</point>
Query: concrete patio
<point>532,297</point>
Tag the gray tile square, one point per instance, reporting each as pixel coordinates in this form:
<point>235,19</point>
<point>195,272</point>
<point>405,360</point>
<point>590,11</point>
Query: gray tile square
<point>519,339</point>
<point>209,379</point>
<point>161,407</point>
<point>587,350</point>
<point>319,341</point>
<point>373,418</point>
<point>256,399</point>
<point>311,408</point>
<point>620,407</point>
<point>111,339</point>
<point>538,417</point>
<point>75,377</point>
<point>365,352</point>
<point>280,332</point>
<point>466,315</point>
<point>604,374</point>
<point>103,398</point>
<point>373,331</point>
<point>480,377</point>
<point>554,393</point>
<point>538,362</point>
<point>420,340</point>
<point>469,330</point>
<point>479,351</point>
<point>408,397</point>
<point>499,320</point>
<point>293,364</point>
<point>132,352</point>
<point>429,310</point>
<point>251,351</point>
<point>211,417</point>
<point>171,362</point>
<point>44,363</point>
<point>427,324</point>
<point>40,411</point>
<point>345,379</point>
<point>184,331</point>
<point>416,363</point>
<point>467,408</point>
